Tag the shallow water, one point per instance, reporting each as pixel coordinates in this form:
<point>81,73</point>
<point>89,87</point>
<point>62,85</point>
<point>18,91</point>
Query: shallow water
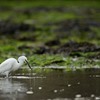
<point>56,85</point>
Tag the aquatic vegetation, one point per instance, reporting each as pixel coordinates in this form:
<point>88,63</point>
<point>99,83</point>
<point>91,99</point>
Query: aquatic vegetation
<point>43,60</point>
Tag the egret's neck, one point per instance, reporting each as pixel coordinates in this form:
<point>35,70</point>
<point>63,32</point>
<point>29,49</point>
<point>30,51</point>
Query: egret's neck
<point>20,63</point>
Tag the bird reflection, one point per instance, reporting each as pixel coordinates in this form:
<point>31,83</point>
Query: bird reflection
<point>9,89</point>
<point>19,87</point>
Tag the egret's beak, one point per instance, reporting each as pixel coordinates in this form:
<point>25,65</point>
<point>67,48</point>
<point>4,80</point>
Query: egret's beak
<point>28,64</point>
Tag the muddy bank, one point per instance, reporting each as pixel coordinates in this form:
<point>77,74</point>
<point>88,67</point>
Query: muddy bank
<point>78,47</point>
<point>70,48</point>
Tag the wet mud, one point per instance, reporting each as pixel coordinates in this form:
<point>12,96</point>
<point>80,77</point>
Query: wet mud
<point>71,48</point>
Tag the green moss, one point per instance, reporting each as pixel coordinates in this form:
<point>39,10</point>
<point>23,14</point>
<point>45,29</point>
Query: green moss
<point>43,60</point>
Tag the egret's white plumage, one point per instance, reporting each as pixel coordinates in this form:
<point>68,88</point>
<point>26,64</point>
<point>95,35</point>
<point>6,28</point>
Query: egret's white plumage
<point>12,64</point>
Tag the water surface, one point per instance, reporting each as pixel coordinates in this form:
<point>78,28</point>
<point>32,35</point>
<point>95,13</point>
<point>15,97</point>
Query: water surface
<point>55,85</point>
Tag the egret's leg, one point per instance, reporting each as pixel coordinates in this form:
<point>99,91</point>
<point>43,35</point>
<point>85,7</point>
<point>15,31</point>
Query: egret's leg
<point>7,74</point>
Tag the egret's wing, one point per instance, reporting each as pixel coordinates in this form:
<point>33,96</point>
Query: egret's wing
<point>5,66</point>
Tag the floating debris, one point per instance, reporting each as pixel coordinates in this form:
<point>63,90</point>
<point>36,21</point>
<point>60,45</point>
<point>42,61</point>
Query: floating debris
<point>62,90</point>
<point>49,99</point>
<point>55,91</point>
<point>97,98</point>
<point>19,90</point>
<point>78,83</point>
<point>78,95</point>
<point>92,95</point>
<point>29,92</point>
<point>39,88</point>
<point>69,85</point>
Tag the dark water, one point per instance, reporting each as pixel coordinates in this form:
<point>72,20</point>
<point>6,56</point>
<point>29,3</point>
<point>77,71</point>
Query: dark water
<point>56,85</point>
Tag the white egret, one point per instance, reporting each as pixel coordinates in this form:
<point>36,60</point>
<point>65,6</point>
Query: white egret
<point>12,64</point>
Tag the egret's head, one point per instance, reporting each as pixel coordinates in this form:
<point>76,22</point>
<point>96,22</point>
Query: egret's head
<point>24,59</point>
